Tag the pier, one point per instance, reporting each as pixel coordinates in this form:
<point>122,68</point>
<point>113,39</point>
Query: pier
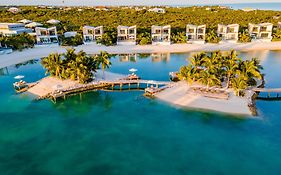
<point>54,88</point>
<point>271,93</point>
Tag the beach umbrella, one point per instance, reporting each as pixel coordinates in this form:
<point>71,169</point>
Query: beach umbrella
<point>57,87</point>
<point>133,70</point>
<point>19,77</point>
<point>25,21</point>
<point>33,24</point>
<point>53,21</point>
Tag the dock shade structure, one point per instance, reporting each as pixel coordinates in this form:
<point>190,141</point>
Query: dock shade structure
<point>91,33</point>
<point>9,29</point>
<point>126,35</point>
<point>228,33</point>
<point>161,35</point>
<point>46,35</point>
<point>195,34</point>
<point>261,32</point>
<point>53,21</point>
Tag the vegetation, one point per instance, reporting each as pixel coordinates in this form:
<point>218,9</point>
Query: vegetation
<point>18,42</point>
<point>75,66</point>
<point>178,37</point>
<point>212,37</point>
<point>244,37</point>
<point>277,35</point>
<point>71,41</point>
<point>72,19</point>
<point>217,69</point>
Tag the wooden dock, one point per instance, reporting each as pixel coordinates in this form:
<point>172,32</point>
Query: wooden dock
<point>271,93</point>
<point>108,85</point>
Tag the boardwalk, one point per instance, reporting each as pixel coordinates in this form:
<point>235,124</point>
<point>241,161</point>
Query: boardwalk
<point>271,93</point>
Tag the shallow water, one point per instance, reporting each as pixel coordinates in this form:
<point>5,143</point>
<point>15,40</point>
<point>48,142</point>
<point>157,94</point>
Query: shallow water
<point>125,133</point>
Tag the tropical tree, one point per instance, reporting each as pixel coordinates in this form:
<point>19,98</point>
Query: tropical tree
<point>276,35</point>
<point>70,65</point>
<point>216,69</point>
<point>103,61</point>
<point>244,37</point>
<point>212,37</point>
<point>178,37</point>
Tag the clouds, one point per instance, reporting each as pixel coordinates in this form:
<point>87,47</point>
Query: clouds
<point>125,2</point>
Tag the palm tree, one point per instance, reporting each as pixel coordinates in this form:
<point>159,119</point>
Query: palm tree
<point>103,60</point>
<point>53,64</point>
<point>239,83</point>
<point>209,79</point>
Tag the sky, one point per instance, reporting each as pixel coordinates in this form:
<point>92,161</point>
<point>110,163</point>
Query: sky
<point>126,2</point>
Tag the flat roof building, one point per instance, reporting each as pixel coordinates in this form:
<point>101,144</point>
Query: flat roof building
<point>126,35</point>
<point>261,32</point>
<point>228,33</point>
<point>91,33</point>
<point>195,34</point>
<point>9,29</point>
<point>161,35</point>
<point>46,35</point>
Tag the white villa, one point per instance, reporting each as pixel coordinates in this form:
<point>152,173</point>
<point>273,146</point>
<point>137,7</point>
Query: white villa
<point>228,33</point>
<point>157,10</point>
<point>90,33</point>
<point>195,34</point>
<point>46,35</point>
<point>126,35</point>
<point>261,32</point>
<point>9,29</point>
<point>161,35</point>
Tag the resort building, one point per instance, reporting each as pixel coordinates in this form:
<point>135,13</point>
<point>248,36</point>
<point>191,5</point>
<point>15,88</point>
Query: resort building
<point>46,35</point>
<point>261,32</point>
<point>90,33</point>
<point>53,21</point>
<point>25,21</point>
<point>126,35</point>
<point>161,35</point>
<point>157,10</point>
<point>9,29</point>
<point>195,34</point>
<point>69,34</point>
<point>33,25</point>
<point>14,10</point>
<point>228,33</point>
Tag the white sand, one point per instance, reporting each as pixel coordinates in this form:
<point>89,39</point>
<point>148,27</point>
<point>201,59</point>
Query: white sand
<point>50,84</point>
<point>177,95</point>
<point>39,52</point>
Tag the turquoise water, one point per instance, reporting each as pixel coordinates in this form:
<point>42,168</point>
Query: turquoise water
<point>124,133</point>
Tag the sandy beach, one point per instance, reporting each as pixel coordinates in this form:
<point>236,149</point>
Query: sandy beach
<point>42,51</point>
<point>178,95</point>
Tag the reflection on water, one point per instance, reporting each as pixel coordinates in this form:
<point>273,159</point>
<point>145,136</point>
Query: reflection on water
<point>155,57</point>
<point>4,71</point>
<point>27,63</point>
